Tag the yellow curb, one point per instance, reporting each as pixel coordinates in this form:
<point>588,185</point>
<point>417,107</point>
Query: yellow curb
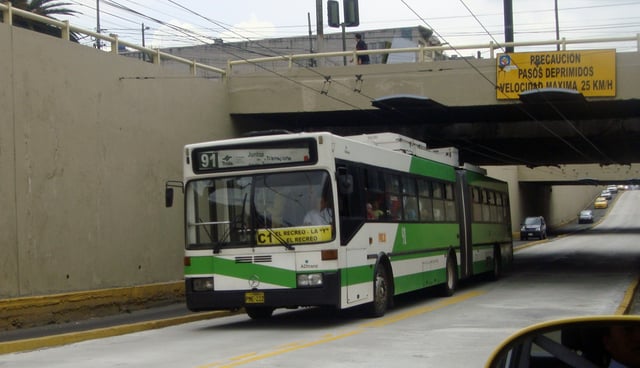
<point>625,304</point>
<point>73,337</point>
<point>24,312</point>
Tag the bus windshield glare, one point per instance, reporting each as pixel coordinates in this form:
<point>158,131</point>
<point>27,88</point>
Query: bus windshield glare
<point>277,209</point>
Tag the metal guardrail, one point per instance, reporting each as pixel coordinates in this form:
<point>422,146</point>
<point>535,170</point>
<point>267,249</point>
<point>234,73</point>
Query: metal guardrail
<point>157,56</point>
<point>421,51</point>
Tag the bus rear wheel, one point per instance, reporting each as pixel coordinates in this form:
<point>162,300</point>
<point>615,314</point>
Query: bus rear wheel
<point>259,312</point>
<point>497,264</point>
<point>451,273</point>
<point>381,296</point>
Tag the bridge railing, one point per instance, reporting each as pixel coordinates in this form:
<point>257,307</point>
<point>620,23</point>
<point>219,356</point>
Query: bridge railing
<point>422,52</point>
<point>66,29</point>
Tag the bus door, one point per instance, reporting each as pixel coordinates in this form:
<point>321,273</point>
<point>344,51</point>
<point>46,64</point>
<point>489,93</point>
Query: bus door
<point>352,212</point>
<point>463,198</point>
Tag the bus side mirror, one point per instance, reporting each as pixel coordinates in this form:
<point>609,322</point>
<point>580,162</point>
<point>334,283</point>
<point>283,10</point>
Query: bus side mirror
<point>168,197</point>
<point>345,182</point>
<point>168,191</point>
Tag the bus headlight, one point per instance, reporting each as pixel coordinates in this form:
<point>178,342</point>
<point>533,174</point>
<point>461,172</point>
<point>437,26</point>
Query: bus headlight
<point>309,280</point>
<point>202,284</point>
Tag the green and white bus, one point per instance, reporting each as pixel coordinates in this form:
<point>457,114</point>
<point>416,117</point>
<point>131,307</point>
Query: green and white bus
<point>316,219</point>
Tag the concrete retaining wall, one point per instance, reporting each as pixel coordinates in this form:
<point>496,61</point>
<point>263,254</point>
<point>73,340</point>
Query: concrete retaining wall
<point>87,141</point>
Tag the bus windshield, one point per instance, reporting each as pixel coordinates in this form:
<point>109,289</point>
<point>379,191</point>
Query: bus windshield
<point>277,209</point>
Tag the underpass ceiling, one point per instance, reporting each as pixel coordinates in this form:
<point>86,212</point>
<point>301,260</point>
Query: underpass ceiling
<point>605,132</point>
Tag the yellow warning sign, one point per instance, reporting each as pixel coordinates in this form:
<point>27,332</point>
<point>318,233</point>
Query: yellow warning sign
<point>590,72</point>
<point>294,235</point>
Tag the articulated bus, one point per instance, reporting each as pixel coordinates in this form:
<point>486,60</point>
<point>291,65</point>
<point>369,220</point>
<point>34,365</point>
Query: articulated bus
<point>315,219</point>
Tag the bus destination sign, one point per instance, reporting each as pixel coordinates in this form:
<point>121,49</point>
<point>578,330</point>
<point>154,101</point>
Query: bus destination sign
<point>297,235</point>
<point>208,160</point>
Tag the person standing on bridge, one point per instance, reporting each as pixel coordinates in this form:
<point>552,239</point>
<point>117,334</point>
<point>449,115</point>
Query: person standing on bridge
<point>361,45</point>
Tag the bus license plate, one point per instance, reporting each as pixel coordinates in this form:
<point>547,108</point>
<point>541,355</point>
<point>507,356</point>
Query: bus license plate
<point>254,297</point>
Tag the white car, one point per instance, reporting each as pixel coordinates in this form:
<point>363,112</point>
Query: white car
<point>585,217</point>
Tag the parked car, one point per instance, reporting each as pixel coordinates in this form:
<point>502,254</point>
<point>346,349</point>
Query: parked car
<point>585,217</point>
<point>606,194</point>
<point>601,202</point>
<point>534,226</point>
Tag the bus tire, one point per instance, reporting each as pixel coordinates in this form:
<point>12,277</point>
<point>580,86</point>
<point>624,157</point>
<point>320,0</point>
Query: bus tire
<point>451,272</point>
<point>381,288</point>
<point>259,312</point>
<point>497,264</point>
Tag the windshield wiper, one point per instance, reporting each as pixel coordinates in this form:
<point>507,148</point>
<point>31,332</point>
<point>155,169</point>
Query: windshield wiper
<point>221,242</point>
<point>279,238</point>
<point>262,222</point>
<point>216,244</point>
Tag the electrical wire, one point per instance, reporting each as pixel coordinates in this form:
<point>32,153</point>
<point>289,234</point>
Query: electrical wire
<point>527,113</point>
<point>195,36</point>
<point>370,98</point>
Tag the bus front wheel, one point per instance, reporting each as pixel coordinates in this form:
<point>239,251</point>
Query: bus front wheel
<point>381,289</point>
<point>259,312</point>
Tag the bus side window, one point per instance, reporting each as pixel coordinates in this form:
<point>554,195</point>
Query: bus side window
<point>392,196</point>
<point>450,204</point>
<point>486,210</point>
<point>425,203</point>
<point>477,204</point>
<point>374,187</point>
<point>351,207</point>
<point>438,201</point>
<point>409,199</point>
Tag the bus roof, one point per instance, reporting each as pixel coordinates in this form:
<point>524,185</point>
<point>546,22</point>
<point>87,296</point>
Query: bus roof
<point>386,140</point>
<point>410,146</point>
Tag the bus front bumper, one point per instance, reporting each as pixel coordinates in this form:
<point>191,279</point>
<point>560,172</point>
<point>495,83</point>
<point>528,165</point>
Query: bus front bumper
<point>326,295</point>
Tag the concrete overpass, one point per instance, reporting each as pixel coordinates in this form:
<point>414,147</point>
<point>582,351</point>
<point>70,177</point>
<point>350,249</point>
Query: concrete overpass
<point>587,140</point>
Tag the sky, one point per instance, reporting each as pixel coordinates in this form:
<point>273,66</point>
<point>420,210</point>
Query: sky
<point>170,23</point>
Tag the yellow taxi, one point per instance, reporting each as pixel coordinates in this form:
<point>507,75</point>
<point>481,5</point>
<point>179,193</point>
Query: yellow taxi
<point>601,202</point>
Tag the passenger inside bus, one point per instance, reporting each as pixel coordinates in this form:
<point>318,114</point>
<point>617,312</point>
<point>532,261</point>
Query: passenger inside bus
<point>373,211</point>
<point>370,214</point>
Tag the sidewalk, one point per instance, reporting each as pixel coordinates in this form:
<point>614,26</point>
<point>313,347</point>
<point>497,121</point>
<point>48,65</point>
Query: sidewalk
<point>32,311</point>
<point>36,322</point>
<point>96,328</point>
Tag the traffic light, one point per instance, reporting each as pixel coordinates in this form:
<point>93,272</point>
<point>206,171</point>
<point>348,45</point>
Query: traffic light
<point>351,13</point>
<point>333,13</point>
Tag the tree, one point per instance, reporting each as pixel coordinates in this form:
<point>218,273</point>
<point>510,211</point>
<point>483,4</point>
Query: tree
<point>46,8</point>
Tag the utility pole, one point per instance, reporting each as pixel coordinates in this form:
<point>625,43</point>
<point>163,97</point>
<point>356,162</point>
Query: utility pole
<point>344,43</point>
<point>319,28</point>
<point>143,29</point>
<point>98,40</point>
<point>508,24</point>
<point>557,27</point>
<point>144,54</point>
<point>312,62</point>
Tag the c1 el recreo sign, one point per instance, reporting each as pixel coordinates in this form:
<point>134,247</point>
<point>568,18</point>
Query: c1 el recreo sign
<point>590,72</point>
